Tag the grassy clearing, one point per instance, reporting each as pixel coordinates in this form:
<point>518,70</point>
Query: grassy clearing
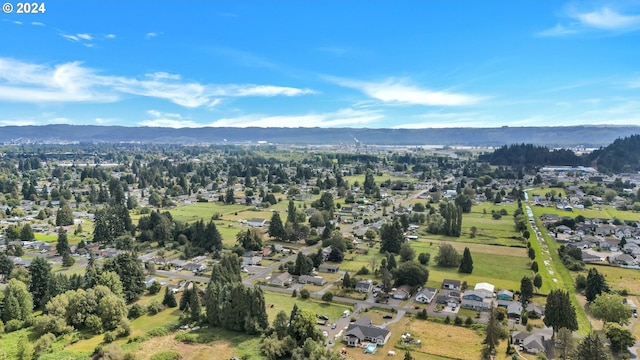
<point>563,276</point>
<point>619,278</point>
<point>223,345</point>
<point>284,302</point>
<point>197,211</point>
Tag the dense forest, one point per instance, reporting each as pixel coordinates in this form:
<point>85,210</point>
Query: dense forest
<point>623,155</point>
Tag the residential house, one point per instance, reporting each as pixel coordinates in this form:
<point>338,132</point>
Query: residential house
<point>476,300</point>
<point>195,268</point>
<point>451,284</point>
<point>504,298</point>
<point>448,297</point>
<point>328,268</point>
<point>426,295</point>
<point>149,281</point>
<point>363,331</point>
<point>563,229</point>
<point>531,343</point>
<point>514,309</point>
<point>538,310</point>
<point>402,292</point>
<point>250,259</point>
<point>313,280</point>
<point>256,222</point>
<point>590,258</point>
<point>486,288</point>
<point>622,259</point>
<point>280,279</point>
<point>364,286</point>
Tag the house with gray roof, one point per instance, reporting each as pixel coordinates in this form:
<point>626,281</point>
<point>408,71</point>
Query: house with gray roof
<point>363,331</point>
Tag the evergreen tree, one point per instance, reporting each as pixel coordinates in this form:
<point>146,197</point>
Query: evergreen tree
<point>391,262</point>
<point>346,281</point>
<point>194,305</point>
<point>596,285</point>
<point>64,216</point>
<point>6,266</point>
<point>591,348</point>
<point>492,337</point>
<point>131,273</point>
<point>276,229</point>
<point>40,271</point>
<point>68,260</point>
<point>63,243</point>
<point>466,264</point>
<point>26,233</point>
<point>169,299</point>
<point>559,312</point>
<point>537,281</point>
<point>526,290</point>
<point>392,237</point>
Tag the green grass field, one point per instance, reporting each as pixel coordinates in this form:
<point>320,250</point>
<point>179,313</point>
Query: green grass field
<point>284,302</point>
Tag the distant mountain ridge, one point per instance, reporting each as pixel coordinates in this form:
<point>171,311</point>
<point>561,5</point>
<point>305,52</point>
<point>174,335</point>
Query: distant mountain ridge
<point>559,136</point>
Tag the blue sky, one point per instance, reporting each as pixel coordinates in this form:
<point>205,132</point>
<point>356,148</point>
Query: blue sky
<point>375,64</point>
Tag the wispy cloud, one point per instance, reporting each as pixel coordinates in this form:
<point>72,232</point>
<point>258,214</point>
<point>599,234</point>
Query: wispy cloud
<point>395,91</point>
<point>72,82</point>
<point>150,35</point>
<point>37,23</point>
<point>18,122</point>
<point>17,22</point>
<point>162,119</point>
<point>110,36</point>
<point>634,84</point>
<point>87,37</point>
<point>603,19</point>
<point>340,118</point>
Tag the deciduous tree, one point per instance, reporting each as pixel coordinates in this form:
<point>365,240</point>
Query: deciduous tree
<point>610,308</point>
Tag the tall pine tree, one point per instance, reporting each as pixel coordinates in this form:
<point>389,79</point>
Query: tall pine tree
<point>466,264</point>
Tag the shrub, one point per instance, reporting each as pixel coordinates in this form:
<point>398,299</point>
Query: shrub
<point>166,355</point>
<point>109,337</point>
<point>468,321</point>
<point>458,321</point>
<point>124,329</point>
<point>363,271</point>
<point>154,308</point>
<point>305,294</point>
<point>294,293</point>
<point>328,296</point>
<point>43,345</point>
<point>447,320</point>
<point>13,325</point>
<point>422,314</point>
<point>94,324</point>
<point>135,311</point>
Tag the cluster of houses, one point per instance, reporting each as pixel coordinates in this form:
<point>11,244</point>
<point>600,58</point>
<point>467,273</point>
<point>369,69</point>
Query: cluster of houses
<point>622,241</point>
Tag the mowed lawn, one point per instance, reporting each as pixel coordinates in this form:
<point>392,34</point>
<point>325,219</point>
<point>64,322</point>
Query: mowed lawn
<point>277,302</point>
<point>501,266</point>
<point>619,278</point>
<point>197,211</point>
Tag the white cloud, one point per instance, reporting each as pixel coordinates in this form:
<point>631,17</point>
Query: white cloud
<point>162,119</point>
<point>71,82</point>
<point>60,120</point>
<point>150,35</point>
<point>18,22</point>
<point>608,19</point>
<point>110,36</point>
<point>87,37</point>
<point>602,19</point>
<point>399,92</point>
<point>340,118</point>
<point>37,23</point>
<point>17,122</point>
<point>70,37</point>
<point>103,121</point>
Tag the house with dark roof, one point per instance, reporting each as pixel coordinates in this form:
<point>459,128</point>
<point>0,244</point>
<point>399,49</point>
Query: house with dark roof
<point>362,331</point>
<point>451,284</point>
<point>256,222</point>
<point>313,280</point>
<point>476,300</point>
<point>328,268</point>
<point>448,297</point>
